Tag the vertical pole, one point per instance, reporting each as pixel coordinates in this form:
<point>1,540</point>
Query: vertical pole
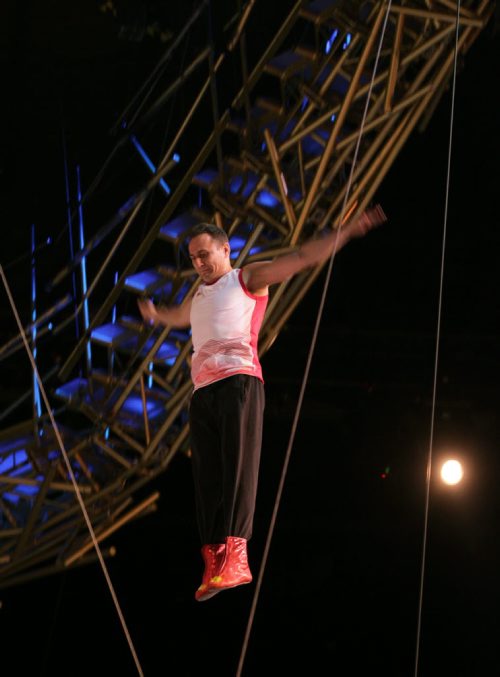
<point>70,232</point>
<point>37,404</point>
<point>83,268</point>
<point>244,80</point>
<point>213,92</point>
<point>113,320</point>
<point>149,163</point>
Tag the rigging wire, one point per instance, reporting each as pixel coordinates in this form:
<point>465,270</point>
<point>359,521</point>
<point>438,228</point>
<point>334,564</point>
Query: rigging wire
<point>140,97</point>
<point>71,474</point>
<point>436,357</point>
<point>308,364</point>
<point>143,94</point>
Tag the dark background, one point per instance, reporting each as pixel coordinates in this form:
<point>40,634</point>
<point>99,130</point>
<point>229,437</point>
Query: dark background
<point>340,593</point>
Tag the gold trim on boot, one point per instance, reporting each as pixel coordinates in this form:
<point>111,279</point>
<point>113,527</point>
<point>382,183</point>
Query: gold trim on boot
<point>213,556</point>
<point>234,570</point>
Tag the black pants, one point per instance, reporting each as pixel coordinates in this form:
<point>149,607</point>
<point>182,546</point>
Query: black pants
<point>226,435</point>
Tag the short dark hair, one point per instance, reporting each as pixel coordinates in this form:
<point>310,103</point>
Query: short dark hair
<point>210,229</point>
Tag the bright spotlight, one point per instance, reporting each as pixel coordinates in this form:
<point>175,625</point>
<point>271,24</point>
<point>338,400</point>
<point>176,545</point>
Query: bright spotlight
<point>452,472</point>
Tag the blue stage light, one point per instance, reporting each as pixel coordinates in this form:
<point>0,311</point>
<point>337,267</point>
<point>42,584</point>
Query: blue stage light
<point>83,268</point>
<point>36,390</point>
<point>329,43</point>
<point>14,460</point>
<point>266,199</point>
<point>149,163</point>
<point>28,489</point>
<point>133,405</point>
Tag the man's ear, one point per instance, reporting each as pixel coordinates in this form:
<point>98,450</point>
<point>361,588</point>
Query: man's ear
<point>227,248</point>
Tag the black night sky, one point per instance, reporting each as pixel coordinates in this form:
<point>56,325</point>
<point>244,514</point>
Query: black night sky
<point>340,593</point>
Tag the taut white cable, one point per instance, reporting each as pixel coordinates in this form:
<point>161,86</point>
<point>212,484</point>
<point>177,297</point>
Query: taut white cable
<point>308,365</point>
<point>436,358</point>
<point>71,474</point>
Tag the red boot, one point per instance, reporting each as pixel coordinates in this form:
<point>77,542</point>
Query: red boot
<point>213,556</point>
<point>234,570</point>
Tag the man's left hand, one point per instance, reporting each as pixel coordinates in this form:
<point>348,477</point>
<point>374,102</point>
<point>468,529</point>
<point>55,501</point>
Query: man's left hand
<point>369,219</point>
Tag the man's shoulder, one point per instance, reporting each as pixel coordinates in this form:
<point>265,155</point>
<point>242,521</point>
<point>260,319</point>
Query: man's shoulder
<point>246,278</point>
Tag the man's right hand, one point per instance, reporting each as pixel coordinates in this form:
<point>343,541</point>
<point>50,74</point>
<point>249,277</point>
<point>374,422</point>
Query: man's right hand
<point>148,311</point>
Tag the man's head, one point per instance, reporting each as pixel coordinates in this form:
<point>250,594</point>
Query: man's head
<point>209,251</point>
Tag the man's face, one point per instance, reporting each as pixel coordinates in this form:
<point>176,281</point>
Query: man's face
<point>210,257</point>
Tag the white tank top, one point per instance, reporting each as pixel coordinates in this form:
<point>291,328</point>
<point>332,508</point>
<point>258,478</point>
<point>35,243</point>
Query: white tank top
<point>225,323</point>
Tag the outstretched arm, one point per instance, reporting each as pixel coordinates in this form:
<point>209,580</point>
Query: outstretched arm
<point>258,276</point>
<point>177,317</point>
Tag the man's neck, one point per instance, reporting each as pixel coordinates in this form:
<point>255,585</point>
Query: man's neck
<point>208,284</point>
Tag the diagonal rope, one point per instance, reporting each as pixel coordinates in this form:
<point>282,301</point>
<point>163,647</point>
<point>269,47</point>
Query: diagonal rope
<point>436,358</point>
<point>308,363</point>
<point>71,474</point>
